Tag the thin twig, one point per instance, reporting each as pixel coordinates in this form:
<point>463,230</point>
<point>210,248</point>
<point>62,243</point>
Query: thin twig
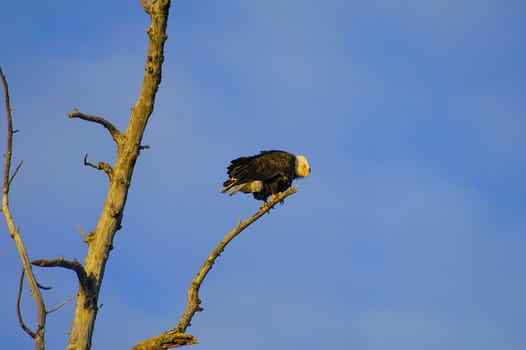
<point>115,133</point>
<point>18,309</point>
<point>9,148</point>
<point>83,233</point>
<point>193,293</point>
<point>44,287</point>
<point>61,304</point>
<point>16,172</point>
<point>100,166</point>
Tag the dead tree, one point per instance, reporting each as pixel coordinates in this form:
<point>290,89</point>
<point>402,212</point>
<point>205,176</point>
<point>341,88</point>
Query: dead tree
<point>90,274</point>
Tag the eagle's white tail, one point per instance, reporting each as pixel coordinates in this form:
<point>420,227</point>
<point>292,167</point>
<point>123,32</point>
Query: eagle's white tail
<point>249,187</point>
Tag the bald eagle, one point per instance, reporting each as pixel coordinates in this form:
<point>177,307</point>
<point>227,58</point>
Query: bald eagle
<point>265,174</point>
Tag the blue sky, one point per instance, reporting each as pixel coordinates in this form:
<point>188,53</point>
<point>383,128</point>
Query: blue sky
<point>409,233</point>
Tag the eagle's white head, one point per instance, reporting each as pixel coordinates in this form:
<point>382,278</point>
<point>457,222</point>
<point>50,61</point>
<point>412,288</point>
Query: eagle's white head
<point>302,166</point>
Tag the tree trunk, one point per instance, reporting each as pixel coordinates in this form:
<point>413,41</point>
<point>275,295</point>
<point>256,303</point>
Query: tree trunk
<point>129,145</point>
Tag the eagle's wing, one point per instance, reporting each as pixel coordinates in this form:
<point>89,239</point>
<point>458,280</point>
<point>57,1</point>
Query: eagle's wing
<point>264,166</point>
<point>270,164</point>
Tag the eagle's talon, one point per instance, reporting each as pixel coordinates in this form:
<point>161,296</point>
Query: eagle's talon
<point>267,205</point>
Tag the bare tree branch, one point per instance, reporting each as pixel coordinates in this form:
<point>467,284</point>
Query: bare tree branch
<point>115,133</point>
<point>167,340</point>
<point>18,308</point>
<point>14,230</point>
<point>193,293</point>
<point>15,172</point>
<point>100,166</point>
<point>84,234</point>
<point>60,305</point>
<point>128,149</point>
<point>9,148</point>
<point>85,282</point>
<point>44,287</point>
<point>194,303</point>
<point>90,275</point>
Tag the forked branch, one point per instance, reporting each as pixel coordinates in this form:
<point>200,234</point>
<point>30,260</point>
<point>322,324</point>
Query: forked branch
<point>128,148</point>
<point>38,335</point>
<point>177,336</point>
<point>19,301</point>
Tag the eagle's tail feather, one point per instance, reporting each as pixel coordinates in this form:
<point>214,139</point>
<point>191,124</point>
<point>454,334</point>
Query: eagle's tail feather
<point>232,186</point>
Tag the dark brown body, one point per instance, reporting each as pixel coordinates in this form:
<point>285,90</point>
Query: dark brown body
<point>265,174</point>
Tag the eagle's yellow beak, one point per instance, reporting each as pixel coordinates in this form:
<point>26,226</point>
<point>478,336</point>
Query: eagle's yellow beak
<point>306,171</point>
